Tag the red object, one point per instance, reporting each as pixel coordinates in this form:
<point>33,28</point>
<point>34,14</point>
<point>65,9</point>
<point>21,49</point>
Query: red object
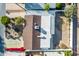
<point>15,49</point>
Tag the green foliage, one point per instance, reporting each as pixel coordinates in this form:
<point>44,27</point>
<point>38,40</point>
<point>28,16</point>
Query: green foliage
<point>58,6</point>
<point>70,10</point>
<point>19,20</point>
<point>5,20</point>
<point>68,53</point>
<point>0,19</point>
<point>46,6</point>
<point>27,53</point>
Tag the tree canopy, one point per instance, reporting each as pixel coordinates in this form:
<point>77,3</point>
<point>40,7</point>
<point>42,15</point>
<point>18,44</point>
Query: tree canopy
<point>46,6</point>
<point>19,20</point>
<point>5,20</point>
<point>70,10</point>
<point>58,6</point>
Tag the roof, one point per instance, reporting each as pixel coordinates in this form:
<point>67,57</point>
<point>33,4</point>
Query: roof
<point>38,6</point>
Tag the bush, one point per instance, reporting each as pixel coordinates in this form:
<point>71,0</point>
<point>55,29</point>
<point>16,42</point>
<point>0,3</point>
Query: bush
<point>58,6</point>
<point>5,20</point>
<point>46,6</point>
<point>19,20</point>
<point>27,53</point>
<point>68,53</point>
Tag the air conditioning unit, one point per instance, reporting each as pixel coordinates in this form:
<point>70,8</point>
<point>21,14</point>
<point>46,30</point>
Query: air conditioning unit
<point>36,26</point>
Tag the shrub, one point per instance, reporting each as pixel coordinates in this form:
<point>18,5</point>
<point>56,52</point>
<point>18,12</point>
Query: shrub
<point>19,20</point>
<point>27,53</point>
<point>68,53</point>
<point>58,6</point>
<point>46,6</point>
<point>5,20</point>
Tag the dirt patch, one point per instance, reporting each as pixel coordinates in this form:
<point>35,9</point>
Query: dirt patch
<point>65,33</point>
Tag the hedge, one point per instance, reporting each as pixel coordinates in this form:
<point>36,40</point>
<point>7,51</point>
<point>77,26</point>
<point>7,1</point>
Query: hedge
<point>58,6</point>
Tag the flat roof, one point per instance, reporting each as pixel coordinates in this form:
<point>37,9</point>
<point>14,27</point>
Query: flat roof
<point>38,6</point>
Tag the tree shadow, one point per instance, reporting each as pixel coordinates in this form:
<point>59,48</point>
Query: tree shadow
<point>58,30</point>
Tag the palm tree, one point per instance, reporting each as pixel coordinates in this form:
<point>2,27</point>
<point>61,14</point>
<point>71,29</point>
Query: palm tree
<point>70,11</point>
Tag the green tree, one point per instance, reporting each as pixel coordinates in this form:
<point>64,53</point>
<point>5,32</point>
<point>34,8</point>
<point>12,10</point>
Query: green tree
<point>68,53</point>
<point>19,20</point>
<point>46,6</point>
<point>27,53</point>
<point>58,6</point>
<point>5,20</point>
<point>70,10</point>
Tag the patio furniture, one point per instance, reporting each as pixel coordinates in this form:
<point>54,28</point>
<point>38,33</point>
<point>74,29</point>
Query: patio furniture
<point>7,32</point>
<point>14,34</point>
<point>8,27</point>
<point>12,21</point>
<point>11,36</point>
<point>7,35</point>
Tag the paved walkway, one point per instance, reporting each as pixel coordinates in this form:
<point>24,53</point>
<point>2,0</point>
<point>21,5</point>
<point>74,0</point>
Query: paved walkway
<point>7,53</point>
<point>10,43</point>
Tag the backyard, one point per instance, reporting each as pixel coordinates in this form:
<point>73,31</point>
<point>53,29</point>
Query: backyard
<point>62,31</point>
<point>63,27</point>
<point>13,31</point>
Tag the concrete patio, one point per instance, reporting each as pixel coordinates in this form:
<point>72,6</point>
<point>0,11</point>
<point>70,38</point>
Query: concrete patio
<point>14,11</point>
